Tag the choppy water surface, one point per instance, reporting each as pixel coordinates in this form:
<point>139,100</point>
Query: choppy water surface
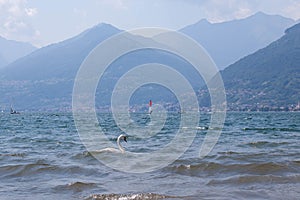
<point>256,157</point>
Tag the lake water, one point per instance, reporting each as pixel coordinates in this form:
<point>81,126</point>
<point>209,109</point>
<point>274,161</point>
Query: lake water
<point>257,157</point>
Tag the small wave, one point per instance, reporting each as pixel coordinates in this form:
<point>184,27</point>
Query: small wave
<point>22,155</point>
<point>229,153</point>
<point>238,156</point>
<point>41,167</point>
<point>255,169</point>
<point>197,170</point>
<point>86,155</point>
<point>76,186</point>
<point>25,169</point>
<point>80,184</point>
<point>263,144</point>
<point>251,179</point>
<point>63,126</point>
<point>139,196</point>
<point>270,129</point>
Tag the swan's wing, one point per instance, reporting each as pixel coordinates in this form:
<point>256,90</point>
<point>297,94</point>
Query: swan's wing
<point>108,150</point>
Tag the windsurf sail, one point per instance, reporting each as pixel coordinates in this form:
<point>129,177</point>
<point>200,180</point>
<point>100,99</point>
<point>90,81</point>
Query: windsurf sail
<point>150,106</point>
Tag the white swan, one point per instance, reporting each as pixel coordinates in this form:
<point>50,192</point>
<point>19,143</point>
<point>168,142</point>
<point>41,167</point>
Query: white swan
<point>113,150</point>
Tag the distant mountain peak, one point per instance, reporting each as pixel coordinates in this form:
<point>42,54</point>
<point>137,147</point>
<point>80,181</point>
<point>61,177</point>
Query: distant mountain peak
<point>93,33</point>
<point>260,13</point>
<point>55,59</point>
<point>103,25</point>
<point>98,29</point>
<point>204,21</point>
<point>229,41</point>
<point>11,50</point>
<point>200,24</point>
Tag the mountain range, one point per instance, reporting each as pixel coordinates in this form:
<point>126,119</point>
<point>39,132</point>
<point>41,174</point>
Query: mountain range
<point>229,41</point>
<point>43,80</point>
<point>11,50</point>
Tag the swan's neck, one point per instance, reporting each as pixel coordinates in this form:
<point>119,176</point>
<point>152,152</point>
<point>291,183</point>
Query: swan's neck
<point>120,146</point>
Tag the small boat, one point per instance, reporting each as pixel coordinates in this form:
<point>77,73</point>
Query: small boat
<point>12,111</point>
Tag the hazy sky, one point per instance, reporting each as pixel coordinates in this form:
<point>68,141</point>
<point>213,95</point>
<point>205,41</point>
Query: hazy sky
<point>42,22</point>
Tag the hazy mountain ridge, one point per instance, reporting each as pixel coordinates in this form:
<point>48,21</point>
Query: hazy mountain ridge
<point>227,42</point>
<point>60,60</point>
<point>11,50</point>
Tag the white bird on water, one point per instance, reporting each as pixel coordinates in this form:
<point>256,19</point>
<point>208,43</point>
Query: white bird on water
<point>114,150</point>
